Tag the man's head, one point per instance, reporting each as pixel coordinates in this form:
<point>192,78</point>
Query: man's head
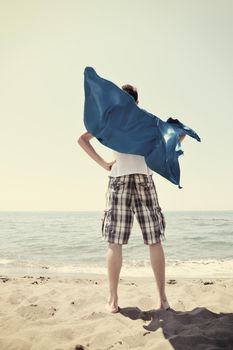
<point>132,91</point>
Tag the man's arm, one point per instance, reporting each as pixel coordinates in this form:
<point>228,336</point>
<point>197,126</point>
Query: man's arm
<point>84,142</point>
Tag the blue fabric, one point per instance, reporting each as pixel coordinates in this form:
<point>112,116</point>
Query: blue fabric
<point>113,117</point>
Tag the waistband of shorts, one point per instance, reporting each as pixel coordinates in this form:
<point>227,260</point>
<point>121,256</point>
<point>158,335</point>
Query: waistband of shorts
<point>135,177</point>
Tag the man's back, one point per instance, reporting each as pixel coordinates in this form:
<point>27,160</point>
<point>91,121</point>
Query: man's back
<point>129,164</point>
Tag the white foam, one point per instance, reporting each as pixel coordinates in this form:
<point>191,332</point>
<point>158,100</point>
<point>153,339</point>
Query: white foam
<point>5,261</point>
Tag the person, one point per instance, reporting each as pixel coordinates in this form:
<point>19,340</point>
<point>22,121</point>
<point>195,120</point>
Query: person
<point>131,190</point>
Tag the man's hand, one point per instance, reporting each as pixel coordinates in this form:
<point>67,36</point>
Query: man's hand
<point>182,137</point>
<point>84,142</point>
<point>108,165</point>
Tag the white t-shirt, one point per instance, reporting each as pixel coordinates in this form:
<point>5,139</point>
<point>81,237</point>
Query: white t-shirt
<point>129,164</point>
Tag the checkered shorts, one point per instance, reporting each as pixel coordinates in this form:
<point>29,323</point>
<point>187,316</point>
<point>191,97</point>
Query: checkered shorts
<point>128,195</point>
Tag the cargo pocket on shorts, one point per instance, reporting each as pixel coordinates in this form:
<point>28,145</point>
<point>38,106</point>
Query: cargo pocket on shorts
<point>103,221</point>
<point>158,215</point>
<point>163,221</point>
<point>106,221</point>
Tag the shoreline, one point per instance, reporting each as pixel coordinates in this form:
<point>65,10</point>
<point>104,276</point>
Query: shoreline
<point>181,270</point>
<point>102,276</point>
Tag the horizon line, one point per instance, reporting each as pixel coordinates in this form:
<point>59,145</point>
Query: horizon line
<point>100,210</point>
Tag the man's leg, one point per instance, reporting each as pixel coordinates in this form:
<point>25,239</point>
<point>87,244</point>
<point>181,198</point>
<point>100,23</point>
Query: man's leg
<point>114,263</point>
<point>158,265</point>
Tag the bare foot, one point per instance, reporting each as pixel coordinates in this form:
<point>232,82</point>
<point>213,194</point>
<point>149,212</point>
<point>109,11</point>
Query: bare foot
<point>112,305</point>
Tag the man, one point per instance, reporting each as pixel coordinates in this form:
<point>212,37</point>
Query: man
<point>131,190</point>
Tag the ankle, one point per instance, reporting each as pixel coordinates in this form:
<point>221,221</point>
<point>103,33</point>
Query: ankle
<point>113,296</point>
<point>163,299</point>
<point>162,296</point>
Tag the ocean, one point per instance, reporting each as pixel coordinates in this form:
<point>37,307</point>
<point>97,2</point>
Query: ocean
<point>198,244</point>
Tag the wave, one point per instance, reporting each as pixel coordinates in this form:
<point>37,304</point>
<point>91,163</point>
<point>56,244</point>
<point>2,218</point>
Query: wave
<point>210,268</point>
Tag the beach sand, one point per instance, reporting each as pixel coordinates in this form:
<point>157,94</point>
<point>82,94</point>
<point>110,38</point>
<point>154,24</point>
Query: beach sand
<point>58,313</point>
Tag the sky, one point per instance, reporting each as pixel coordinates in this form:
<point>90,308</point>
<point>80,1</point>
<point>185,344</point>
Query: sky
<point>178,53</point>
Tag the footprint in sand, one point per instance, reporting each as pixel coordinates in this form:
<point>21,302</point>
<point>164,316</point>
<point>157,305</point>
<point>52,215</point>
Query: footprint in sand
<point>16,298</point>
<point>35,312</point>
<point>94,316</point>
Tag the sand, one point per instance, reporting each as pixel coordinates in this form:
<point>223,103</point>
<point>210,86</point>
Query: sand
<point>58,313</point>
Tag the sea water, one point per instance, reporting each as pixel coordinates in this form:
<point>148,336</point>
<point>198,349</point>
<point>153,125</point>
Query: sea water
<point>198,244</point>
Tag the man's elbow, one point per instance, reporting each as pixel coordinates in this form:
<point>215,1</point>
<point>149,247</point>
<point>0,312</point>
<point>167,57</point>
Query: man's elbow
<point>84,138</point>
<point>80,140</point>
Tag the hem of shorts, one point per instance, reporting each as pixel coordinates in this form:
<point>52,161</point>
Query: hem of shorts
<point>110,241</point>
<point>160,239</point>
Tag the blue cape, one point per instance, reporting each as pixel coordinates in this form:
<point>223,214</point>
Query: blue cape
<point>113,117</point>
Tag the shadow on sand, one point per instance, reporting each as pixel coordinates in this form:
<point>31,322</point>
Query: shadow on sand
<point>198,329</point>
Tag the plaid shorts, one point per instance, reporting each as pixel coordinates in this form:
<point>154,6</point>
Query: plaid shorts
<point>128,195</point>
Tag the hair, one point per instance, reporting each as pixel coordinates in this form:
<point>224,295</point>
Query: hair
<point>131,90</point>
